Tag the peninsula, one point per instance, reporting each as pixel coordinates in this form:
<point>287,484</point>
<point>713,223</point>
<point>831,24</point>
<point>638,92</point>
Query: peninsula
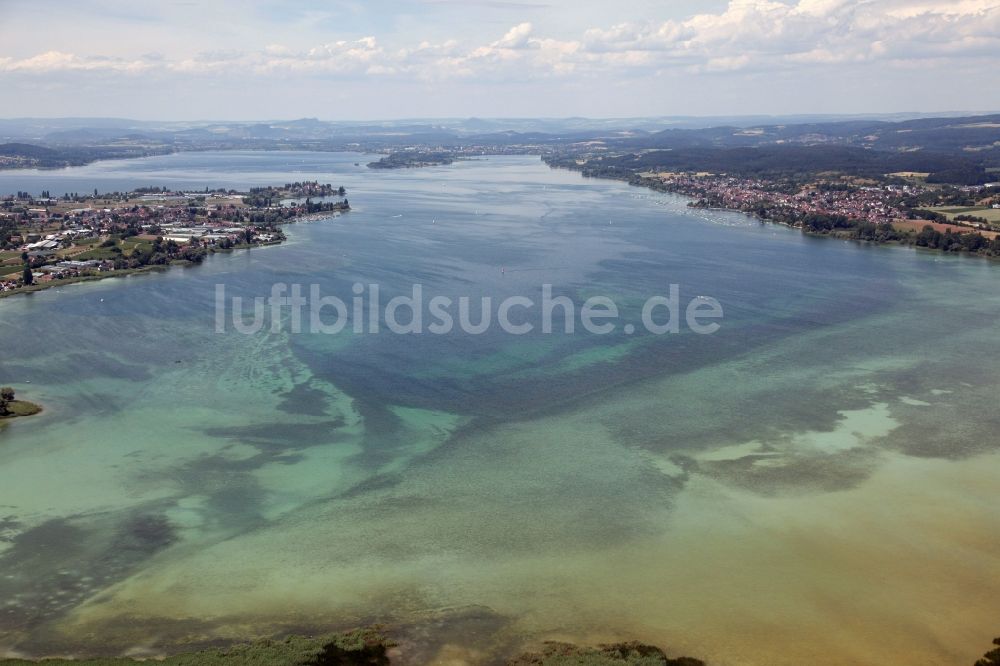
<point>47,241</point>
<point>822,197</point>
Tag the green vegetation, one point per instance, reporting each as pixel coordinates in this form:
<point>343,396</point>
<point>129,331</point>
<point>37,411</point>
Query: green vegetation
<point>85,277</point>
<point>87,242</point>
<point>840,191</point>
<point>366,647</point>
<point>796,162</point>
<point>29,155</point>
<point>991,658</point>
<point>369,647</point>
<point>133,244</point>
<point>619,654</point>
<point>8,228</point>
<point>412,158</point>
<point>11,408</point>
<point>21,408</point>
<point>78,237</point>
<point>856,229</point>
<point>970,213</point>
<point>132,252</point>
<point>101,253</point>
<point>930,237</point>
<point>271,195</point>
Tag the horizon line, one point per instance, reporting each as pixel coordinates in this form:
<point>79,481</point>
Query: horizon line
<point>871,114</point>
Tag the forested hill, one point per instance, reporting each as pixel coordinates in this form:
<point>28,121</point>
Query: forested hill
<point>20,155</point>
<point>944,135</point>
<point>787,160</point>
<point>960,150</point>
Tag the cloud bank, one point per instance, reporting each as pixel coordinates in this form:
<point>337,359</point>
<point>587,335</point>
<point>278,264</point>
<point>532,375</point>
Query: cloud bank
<point>750,35</point>
<point>408,58</point>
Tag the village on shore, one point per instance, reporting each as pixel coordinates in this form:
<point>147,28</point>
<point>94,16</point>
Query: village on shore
<point>949,218</point>
<point>900,207</point>
<point>902,203</point>
<point>46,240</point>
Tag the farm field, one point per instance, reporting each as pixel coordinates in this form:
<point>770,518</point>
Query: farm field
<point>991,215</point>
<point>917,225</point>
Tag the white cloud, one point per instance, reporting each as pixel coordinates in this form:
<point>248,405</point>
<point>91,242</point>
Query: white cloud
<point>747,34</point>
<point>51,61</point>
<point>770,34</point>
<point>516,37</point>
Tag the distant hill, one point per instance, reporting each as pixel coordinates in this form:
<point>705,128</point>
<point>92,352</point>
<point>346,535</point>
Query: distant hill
<point>31,155</point>
<point>785,160</point>
<point>958,149</point>
<point>972,133</point>
<point>27,150</point>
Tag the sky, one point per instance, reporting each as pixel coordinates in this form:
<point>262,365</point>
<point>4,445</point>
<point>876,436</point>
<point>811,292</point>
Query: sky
<point>353,60</point>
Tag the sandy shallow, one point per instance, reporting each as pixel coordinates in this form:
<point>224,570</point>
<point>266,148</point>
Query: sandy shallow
<point>814,484</point>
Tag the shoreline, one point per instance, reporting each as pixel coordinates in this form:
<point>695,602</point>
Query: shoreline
<point>908,239</point>
<point>125,272</point>
<point>906,242</point>
<point>180,263</point>
<point>366,646</point>
<point>175,151</point>
<point>21,409</point>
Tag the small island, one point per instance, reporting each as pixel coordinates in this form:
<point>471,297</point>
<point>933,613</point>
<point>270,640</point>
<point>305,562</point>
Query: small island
<point>47,241</point>
<point>11,408</point>
<point>410,159</point>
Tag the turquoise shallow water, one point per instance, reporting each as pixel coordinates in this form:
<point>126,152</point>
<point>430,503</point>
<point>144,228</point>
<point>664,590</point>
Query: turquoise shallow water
<point>815,481</point>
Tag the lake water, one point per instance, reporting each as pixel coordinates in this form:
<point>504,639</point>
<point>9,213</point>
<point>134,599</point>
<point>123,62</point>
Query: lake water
<point>815,483</point>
